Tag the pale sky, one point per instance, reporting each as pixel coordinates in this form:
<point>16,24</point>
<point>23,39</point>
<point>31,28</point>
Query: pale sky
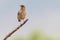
<point>43,14</point>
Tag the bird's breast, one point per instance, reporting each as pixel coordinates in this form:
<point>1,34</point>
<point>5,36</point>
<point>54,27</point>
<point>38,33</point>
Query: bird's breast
<point>22,15</point>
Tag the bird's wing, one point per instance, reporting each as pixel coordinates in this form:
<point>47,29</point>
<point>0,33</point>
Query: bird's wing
<point>18,13</point>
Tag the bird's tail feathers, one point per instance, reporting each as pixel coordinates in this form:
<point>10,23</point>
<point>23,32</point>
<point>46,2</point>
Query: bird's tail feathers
<point>19,20</point>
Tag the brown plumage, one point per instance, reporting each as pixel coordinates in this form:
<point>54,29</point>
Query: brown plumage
<point>21,13</point>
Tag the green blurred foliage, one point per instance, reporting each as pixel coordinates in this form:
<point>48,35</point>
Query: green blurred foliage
<point>35,35</point>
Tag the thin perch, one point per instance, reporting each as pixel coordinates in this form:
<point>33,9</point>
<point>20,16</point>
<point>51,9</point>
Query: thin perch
<point>15,30</point>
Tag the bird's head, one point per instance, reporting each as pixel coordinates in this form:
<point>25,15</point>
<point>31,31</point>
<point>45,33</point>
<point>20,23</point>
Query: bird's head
<point>22,5</point>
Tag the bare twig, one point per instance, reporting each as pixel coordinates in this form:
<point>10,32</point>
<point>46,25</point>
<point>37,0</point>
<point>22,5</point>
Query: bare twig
<point>15,30</point>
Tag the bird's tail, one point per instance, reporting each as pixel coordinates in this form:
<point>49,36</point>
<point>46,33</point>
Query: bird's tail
<point>19,20</point>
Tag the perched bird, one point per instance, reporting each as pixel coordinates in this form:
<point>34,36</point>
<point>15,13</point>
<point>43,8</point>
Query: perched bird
<point>21,13</point>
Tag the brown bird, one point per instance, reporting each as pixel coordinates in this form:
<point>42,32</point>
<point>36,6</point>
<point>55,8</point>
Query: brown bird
<point>21,13</point>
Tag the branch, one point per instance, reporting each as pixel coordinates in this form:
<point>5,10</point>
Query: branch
<point>15,30</point>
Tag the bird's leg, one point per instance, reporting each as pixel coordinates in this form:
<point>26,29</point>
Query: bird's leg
<point>19,23</point>
<point>22,21</point>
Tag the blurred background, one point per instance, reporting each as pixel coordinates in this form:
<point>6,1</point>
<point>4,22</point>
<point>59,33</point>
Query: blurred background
<point>43,15</point>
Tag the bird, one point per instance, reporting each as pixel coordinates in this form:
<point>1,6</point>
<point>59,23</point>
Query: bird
<point>21,13</point>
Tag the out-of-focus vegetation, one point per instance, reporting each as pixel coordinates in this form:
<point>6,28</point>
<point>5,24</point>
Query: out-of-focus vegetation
<point>36,35</point>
